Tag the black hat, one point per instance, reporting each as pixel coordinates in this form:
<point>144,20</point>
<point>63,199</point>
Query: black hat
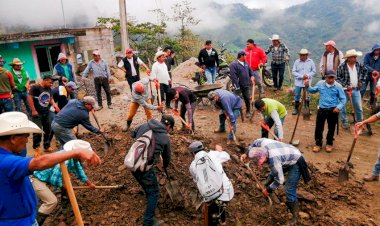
<point>196,146</point>
<point>168,120</point>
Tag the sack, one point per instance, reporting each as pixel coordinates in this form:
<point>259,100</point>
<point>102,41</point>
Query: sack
<point>140,156</point>
<point>209,180</point>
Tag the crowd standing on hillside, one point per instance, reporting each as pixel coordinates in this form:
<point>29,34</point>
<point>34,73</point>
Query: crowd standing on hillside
<point>57,111</point>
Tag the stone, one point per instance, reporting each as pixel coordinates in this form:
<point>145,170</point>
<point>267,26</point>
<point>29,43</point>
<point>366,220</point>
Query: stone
<point>304,215</point>
<point>114,91</point>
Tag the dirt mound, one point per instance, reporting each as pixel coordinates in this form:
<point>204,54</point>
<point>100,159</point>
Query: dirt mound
<point>186,69</point>
<point>322,201</point>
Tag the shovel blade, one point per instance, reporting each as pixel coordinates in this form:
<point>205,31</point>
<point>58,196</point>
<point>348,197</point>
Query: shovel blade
<point>108,148</point>
<point>343,174</point>
<point>295,142</point>
<point>173,191</point>
<point>306,114</point>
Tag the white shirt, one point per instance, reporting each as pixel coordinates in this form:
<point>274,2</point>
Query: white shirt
<point>330,61</point>
<point>217,157</point>
<point>134,73</point>
<point>209,51</point>
<point>353,76</point>
<point>160,72</point>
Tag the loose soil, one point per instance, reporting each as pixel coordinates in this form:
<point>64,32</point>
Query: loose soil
<point>323,201</point>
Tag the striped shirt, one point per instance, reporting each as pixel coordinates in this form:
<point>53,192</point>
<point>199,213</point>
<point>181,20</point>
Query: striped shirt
<point>280,156</point>
<point>278,54</point>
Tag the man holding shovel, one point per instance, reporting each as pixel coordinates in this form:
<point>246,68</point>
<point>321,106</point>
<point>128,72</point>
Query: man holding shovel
<point>215,207</point>
<point>282,158</point>
<point>18,200</point>
<point>303,68</point>
<point>242,79</point>
<point>274,114</point>
<point>331,101</point>
<point>230,107</point>
<point>188,104</point>
<point>53,177</point>
<point>148,179</point>
<point>141,96</point>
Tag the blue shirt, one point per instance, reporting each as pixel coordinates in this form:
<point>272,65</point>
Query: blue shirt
<point>18,201</point>
<point>330,96</point>
<point>229,102</point>
<point>100,70</point>
<point>301,68</point>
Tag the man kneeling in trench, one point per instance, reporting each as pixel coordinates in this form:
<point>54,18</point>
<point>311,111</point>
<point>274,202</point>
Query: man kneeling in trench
<point>281,158</point>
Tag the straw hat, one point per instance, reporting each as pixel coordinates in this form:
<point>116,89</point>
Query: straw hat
<point>77,144</point>
<point>158,54</point>
<point>16,61</point>
<point>275,37</point>
<point>16,123</point>
<point>304,52</point>
<point>352,52</point>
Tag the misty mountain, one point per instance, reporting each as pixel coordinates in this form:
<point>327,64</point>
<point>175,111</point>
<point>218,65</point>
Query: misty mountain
<point>302,26</point>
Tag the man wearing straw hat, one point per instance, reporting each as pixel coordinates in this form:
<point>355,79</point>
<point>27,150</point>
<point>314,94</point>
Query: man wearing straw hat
<point>6,85</point>
<point>160,74</point>
<point>18,201</point>
<point>280,56</point>
<point>351,75</point>
<point>303,68</point>
<point>21,78</point>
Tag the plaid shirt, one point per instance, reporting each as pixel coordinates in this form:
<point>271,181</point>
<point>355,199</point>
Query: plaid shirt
<point>280,156</point>
<point>343,74</point>
<point>278,56</point>
<point>53,176</point>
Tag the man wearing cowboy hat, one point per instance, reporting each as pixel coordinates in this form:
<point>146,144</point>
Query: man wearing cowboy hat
<point>21,78</point>
<point>102,78</point>
<point>160,75</point>
<point>130,64</point>
<point>53,177</point>
<point>351,75</point>
<point>372,63</point>
<point>303,68</point>
<point>7,84</point>
<point>18,201</point>
<point>280,56</point>
<point>330,59</point>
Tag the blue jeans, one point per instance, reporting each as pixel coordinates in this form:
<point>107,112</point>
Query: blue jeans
<point>291,182</point>
<point>21,96</point>
<point>269,121</point>
<point>6,105</point>
<point>210,74</point>
<point>357,102</point>
<point>62,134</point>
<point>376,169</point>
<point>222,121</point>
<point>297,93</point>
<point>148,182</point>
<point>368,81</point>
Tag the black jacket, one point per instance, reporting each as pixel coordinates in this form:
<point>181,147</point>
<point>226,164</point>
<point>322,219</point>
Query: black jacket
<point>128,68</point>
<point>161,137</point>
<point>240,75</point>
<point>208,61</point>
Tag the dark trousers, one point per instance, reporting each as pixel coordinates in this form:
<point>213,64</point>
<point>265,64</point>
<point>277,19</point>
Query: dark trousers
<point>99,83</point>
<point>170,75</point>
<point>164,90</point>
<point>131,80</point>
<point>216,212</point>
<point>278,74</point>
<point>21,96</point>
<point>42,121</point>
<point>6,105</point>
<point>149,184</point>
<point>246,93</point>
<point>183,113</point>
<point>269,121</point>
<point>372,88</point>
<point>332,119</point>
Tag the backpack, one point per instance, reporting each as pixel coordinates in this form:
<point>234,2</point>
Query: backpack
<point>209,180</point>
<point>140,156</point>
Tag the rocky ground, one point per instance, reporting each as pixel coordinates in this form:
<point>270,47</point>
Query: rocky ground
<point>323,201</point>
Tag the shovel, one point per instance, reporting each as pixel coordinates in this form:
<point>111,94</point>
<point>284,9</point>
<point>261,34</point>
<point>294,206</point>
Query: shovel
<point>172,188</point>
<point>349,93</point>
<point>241,146</point>
<point>306,110</point>
<point>344,170</point>
<point>296,142</point>
<point>108,145</point>
<point>290,75</point>
<point>175,113</point>
<point>253,175</point>
<point>266,127</point>
<point>151,93</point>
<point>252,102</point>
<point>102,187</point>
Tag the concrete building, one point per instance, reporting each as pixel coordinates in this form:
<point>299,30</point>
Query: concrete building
<point>39,50</point>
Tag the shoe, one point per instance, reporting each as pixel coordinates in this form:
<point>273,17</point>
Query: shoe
<point>275,89</point>
<point>219,131</point>
<point>295,111</point>
<point>292,207</point>
<point>99,108</point>
<point>329,148</point>
<point>248,115</point>
<point>37,152</point>
<point>229,142</point>
<point>110,107</point>
<point>345,126</point>
<point>296,108</point>
<point>371,178</point>
<point>49,149</point>
<point>127,126</point>
<point>157,222</point>
<point>316,148</point>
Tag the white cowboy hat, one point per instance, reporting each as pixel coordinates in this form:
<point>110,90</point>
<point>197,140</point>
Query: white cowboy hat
<point>304,52</point>
<point>16,61</point>
<point>77,144</point>
<point>352,52</point>
<point>158,54</point>
<point>17,123</point>
<point>275,37</point>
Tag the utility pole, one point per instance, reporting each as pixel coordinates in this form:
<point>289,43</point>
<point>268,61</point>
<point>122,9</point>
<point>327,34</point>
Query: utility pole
<point>63,14</point>
<point>123,25</point>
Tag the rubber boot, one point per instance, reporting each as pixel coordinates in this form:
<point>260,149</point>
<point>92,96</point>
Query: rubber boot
<point>269,180</point>
<point>292,206</point>
<point>41,218</point>
<point>308,105</point>
<point>127,126</point>
<point>296,107</point>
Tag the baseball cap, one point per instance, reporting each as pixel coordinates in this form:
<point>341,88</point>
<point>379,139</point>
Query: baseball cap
<point>241,53</point>
<point>168,120</point>
<point>195,147</point>
<point>331,74</point>
<point>72,85</point>
<point>96,52</point>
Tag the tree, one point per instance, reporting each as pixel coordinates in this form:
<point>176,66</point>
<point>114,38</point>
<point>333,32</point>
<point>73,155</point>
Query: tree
<point>182,12</point>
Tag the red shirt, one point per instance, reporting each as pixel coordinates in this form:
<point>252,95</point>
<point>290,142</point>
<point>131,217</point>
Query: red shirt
<point>255,56</point>
<point>7,95</point>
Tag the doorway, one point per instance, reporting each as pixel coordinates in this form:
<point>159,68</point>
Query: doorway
<point>47,56</point>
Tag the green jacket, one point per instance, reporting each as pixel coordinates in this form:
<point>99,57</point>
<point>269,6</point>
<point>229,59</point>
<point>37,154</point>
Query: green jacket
<point>20,86</point>
<point>272,105</point>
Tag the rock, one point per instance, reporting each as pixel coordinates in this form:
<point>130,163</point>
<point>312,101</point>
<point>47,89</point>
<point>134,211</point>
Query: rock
<point>352,202</point>
<point>114,91</point>
<point>304,215</point>
<point>118,137</point>
<point>302,194</point>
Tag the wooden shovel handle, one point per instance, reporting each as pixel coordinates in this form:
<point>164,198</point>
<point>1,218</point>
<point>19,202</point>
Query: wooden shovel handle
<point>98,187</point>
<point>266,127</point>
<point>70,192</point>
